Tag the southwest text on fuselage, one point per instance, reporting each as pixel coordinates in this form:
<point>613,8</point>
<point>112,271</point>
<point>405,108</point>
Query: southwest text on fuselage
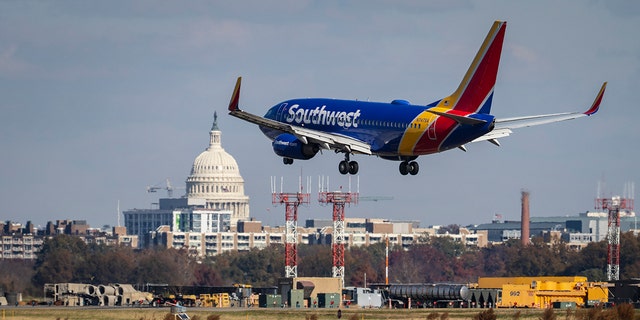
<point>320,116</point>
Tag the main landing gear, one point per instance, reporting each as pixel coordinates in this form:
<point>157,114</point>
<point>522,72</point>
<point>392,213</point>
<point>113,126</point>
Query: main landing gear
<point>409,167</point>
<point>345,166</point>
<point>287,160</point>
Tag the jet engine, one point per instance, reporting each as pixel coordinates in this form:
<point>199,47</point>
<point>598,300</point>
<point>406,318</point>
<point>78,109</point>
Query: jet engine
<point>288,146</point>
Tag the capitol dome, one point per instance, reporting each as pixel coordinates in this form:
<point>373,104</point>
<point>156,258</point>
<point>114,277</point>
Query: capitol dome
<point>215,178</point>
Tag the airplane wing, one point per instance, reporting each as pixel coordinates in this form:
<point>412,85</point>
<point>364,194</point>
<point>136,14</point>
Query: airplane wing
<point>323,139</point>
<point>504,126</point>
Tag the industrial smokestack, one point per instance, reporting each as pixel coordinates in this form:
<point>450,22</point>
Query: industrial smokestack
<point>524,221</point>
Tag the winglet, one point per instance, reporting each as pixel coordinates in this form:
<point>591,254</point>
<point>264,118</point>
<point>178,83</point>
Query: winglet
<point>596,103</point>
<point>235,98</point>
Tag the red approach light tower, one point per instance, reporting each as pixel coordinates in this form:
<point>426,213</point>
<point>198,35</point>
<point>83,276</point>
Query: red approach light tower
<point>291,202</point>
<point>613,206</point>
<point>339,199</point>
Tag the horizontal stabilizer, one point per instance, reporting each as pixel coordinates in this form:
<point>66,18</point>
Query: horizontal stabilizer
<point>494,135</point>
<point>457,118</point>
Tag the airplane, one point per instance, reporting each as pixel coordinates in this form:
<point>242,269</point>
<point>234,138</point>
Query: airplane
<point>399,131</point>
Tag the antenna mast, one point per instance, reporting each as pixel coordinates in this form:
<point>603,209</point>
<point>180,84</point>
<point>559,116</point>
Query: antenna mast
<point>291,202</point>
<point>338,239</point>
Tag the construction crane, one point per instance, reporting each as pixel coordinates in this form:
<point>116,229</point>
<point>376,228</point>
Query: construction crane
<point>167,187</point>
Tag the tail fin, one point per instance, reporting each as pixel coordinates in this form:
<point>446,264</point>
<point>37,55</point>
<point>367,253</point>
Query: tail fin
<point>476,89</point>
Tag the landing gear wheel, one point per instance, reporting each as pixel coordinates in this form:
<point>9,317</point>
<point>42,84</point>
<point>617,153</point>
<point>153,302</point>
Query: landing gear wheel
<point>287,160</point>
<point>353,167</point>
<point>343,167</point>
<point>414,167</point>
<point>404,168</point>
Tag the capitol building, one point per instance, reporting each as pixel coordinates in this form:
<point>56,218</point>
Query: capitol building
<point>215,179</point>
<point>215,200</point>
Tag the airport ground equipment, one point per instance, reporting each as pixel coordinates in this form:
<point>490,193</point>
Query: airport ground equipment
<point>625,291</point>
<point>310,288</point>
<point>244,291</point>
<point>206,300</point>
<point>296,298</point>
<point>541,292</point>
<point>80,294</point>
<point>485,297</point>
<point>221,300</point>
<point>179,312</point>
<point>355,297</point>
<point>329,300</point>
<point>238,295</point>
<point>270,301</point>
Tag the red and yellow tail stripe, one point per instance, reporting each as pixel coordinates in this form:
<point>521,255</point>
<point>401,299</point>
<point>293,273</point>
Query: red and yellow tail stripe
<point>477,84</point>
<point>427,131</point>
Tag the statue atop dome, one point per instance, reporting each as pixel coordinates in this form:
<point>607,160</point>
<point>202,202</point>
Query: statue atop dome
<point>214,127</point>
<point>215,134</point>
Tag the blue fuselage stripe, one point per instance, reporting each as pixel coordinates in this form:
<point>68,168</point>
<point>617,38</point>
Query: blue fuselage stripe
<point>381,125</point>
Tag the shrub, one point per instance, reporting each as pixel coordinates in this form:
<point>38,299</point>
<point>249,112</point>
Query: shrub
<point>593,313</point>
<point>485,315</point>
<point>570,314</point>
<point>169,316</point>
<point>625,311</point>
<point>517,315</point>
<point>548,314</point>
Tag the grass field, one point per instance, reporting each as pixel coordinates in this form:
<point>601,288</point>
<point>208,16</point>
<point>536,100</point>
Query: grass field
<point>96,313</point>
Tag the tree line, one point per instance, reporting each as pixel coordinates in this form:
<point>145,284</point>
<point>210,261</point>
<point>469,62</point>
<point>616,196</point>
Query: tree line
<point>67,258</point>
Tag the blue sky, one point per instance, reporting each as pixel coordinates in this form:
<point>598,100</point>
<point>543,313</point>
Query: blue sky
<point>100,99</point>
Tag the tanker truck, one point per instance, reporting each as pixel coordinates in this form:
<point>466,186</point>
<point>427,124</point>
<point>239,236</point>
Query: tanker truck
<point>431,295</point>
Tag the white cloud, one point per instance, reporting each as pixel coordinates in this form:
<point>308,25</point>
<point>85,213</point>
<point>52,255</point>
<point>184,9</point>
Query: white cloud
<point>11,65</point>
<point>524,54</point>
